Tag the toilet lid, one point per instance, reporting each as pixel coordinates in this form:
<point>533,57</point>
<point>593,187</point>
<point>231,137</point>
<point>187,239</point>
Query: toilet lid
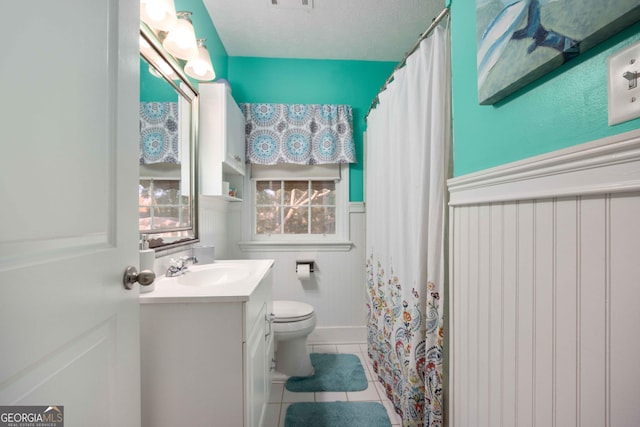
<point>291,311</point>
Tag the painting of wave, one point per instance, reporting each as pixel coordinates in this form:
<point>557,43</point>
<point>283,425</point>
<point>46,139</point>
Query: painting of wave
<point>520,40</point>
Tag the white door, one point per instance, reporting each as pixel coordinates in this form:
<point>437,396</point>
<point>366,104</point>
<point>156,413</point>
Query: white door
<point>69,331</point>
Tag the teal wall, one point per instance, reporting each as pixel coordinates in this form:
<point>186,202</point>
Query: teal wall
<point>154,89</point>
<point>290,81</point>
<point>307,81</point>
<point>564,108</point>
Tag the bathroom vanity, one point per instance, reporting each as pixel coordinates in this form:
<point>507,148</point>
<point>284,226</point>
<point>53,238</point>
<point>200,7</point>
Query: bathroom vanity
<point>207,346</point>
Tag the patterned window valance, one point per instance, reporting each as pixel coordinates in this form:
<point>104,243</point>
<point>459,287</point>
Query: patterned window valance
<point>159,136</point>
<point>303,134</point>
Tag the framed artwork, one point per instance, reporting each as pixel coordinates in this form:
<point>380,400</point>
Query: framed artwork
<point>521,40</point>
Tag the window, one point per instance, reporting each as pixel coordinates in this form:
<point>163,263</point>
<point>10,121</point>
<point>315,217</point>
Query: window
<point>162,207</point>
<point>295,207</point>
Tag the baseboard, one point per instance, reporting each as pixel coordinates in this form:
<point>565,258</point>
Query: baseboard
<point>339,335</point>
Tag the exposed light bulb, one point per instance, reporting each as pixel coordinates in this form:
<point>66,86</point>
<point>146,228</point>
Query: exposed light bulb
<point>181,41</point>
<point>158,14</point>
<point>199,66</point>
<point>155,11</point>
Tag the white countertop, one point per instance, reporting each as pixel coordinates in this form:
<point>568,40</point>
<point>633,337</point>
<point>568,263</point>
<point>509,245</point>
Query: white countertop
<point>180,290</point>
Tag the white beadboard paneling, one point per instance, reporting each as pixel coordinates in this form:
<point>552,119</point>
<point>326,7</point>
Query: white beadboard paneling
<point>336,289</point>
<point>624,313</point>
<point>496,310</point>
<point>544,313</point>
<point>482,327</point>
<point>472,335</point>
<point>459,353</point>
<point>566,303</point>
<point>509,313</point>
<point>451,382</point>
<point>464,311</point>
<point>591,392</point>
<point>212,224</point>
<point>525,343</point>
<point>544,290</point>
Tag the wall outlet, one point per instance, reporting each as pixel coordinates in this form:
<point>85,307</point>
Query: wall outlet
<point>624,84</point>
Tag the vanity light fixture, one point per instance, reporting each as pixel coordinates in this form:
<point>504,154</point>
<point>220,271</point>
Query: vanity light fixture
<point>159,14</point>
<point>181,40</point>
<point>199,66</point>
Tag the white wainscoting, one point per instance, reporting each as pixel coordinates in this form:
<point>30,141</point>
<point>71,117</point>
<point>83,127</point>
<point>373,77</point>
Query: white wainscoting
<point>213,224</point>
<point>336,289</point>
<point>545,288</point>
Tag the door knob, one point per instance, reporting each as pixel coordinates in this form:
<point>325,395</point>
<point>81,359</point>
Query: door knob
<point>131,276</point>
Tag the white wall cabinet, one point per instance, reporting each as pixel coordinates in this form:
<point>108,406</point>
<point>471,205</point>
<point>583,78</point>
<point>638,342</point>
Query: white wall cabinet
<point>206,364</point>
<point>222,142</point>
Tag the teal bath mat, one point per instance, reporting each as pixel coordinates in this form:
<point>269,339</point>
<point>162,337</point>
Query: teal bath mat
<point>336,414</point>
<point>333,372</point>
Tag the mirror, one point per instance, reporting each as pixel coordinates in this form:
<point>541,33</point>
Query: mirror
<point>167,193</point>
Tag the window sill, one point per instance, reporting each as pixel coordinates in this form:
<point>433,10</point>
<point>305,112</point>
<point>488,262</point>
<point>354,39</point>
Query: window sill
<point>266,246</point>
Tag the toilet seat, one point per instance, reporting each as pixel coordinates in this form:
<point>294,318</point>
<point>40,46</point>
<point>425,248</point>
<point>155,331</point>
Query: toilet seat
<point>291,311</point>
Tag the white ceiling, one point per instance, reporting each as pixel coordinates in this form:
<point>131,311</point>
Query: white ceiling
<point>370,30</point>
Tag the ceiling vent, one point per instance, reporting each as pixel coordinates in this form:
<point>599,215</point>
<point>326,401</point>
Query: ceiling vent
<point>291,4</point>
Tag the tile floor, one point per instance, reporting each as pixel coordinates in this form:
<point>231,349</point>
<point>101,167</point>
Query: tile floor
<point>280,398</point>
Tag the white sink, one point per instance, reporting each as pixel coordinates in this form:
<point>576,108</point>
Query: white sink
<point>221,281</point>
<point>213,275</point>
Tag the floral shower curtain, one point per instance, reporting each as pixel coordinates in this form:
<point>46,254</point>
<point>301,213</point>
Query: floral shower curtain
<point>408,137</point>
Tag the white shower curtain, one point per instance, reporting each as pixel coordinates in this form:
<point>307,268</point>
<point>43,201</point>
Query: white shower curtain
<point>408,137</point>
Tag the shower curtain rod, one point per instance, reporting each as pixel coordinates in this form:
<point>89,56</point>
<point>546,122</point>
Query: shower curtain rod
<point>401,64</point>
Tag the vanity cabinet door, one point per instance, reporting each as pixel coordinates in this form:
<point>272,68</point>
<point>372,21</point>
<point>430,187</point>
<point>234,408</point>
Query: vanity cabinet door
<point>257,392</point>
<point>258,352</point>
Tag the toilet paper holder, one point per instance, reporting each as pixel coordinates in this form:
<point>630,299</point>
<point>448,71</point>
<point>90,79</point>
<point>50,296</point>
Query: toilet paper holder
<point>311,265</point>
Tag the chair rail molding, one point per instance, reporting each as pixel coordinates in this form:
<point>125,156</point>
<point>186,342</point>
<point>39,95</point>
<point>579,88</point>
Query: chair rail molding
<point>608,165</point>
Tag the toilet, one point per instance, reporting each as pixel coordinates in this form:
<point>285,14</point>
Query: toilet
<point>292,323</point>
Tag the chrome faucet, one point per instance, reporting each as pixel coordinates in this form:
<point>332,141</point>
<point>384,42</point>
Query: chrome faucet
<point>179,266</point>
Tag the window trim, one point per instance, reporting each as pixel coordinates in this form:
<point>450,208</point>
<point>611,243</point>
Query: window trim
<point>287,246</point>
